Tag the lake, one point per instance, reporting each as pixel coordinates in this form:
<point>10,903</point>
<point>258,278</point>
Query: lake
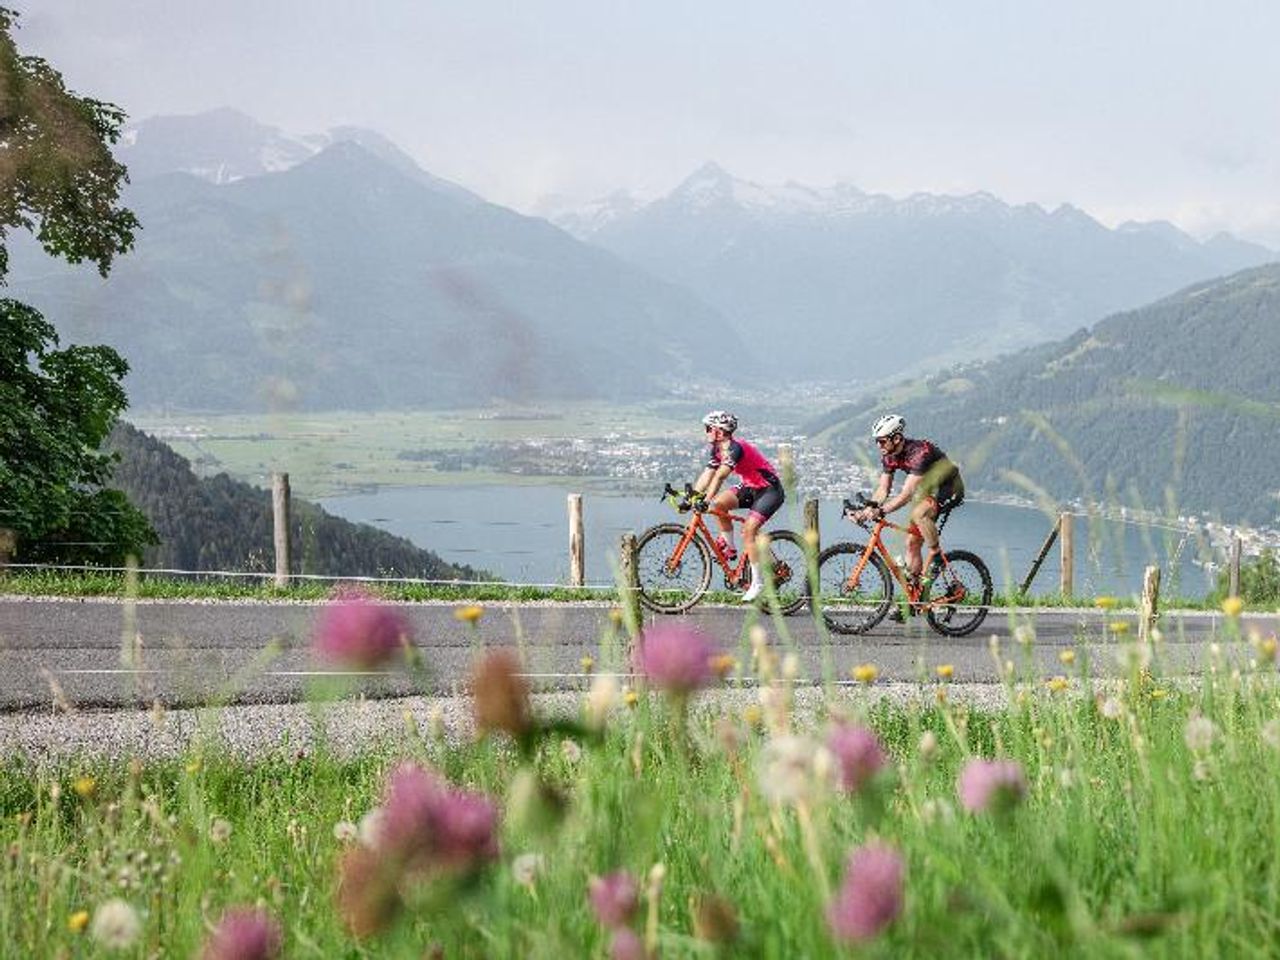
<point>520,533</point>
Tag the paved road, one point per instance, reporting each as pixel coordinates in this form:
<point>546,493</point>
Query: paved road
<point>188,653</point>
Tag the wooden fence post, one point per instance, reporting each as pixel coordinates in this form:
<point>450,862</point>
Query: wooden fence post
<point>812,531</point>
<point>1067,543</point>
<point>629,583</point>
<point>280,515</point>
<point>1150,603</point>
<point>8,543</point>
<point>577,560</point>
<point>1039,560</point>
<point>1233,567</point>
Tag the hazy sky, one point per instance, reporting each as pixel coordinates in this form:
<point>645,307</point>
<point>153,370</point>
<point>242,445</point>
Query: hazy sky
<point>1136,109</point>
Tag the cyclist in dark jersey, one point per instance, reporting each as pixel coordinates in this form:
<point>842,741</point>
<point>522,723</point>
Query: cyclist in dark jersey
<point>932,480</point>
<point>759,491</point>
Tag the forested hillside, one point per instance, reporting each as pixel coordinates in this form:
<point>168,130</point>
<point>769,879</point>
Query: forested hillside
<point>1173,405</point>
<point>224,524</point>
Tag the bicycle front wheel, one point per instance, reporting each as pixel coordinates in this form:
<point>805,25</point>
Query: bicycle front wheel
<point>669,584</point>
<point>960,594</point>
<point>852,600</point>
<point>788,571</point>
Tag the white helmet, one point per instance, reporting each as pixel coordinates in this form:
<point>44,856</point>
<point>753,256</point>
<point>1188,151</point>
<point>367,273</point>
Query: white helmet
<point>721,419</point>
<point>888,425</point>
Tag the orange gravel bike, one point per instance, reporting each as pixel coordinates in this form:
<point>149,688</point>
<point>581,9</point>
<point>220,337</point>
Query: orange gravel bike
<point>855,583</point>
<point>674,563</point>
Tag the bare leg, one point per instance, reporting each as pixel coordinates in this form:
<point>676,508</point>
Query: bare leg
<point>725,501</point>
<point>749,531</point>
<point>923,515</point>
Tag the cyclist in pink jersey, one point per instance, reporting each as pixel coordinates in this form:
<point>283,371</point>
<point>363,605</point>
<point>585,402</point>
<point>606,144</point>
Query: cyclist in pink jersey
<point>759,489</point>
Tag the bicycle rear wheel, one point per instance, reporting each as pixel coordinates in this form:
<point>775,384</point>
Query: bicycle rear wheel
<point>668,585</point>
<point>852,605</point>
<point>960,594</point>
<point>789,569</point>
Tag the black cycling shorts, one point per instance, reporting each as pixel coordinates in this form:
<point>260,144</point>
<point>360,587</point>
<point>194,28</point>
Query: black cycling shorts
<point>762,501</point>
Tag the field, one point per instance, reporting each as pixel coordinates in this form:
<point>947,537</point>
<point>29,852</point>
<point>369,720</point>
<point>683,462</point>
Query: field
<point>1139,816</point>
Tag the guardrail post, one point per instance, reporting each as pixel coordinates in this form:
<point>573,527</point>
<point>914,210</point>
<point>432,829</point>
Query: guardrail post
<point>812,530</point>
<point>280,517</point>
<point>1150,602</point>
<point>629,583</point>
<point>577,560</point>
<point>1067,543</point>
<point>1233,567</point>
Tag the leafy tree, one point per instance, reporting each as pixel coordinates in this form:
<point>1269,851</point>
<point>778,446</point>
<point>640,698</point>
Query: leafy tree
<point>1259,580</point>
<point>59,180</point>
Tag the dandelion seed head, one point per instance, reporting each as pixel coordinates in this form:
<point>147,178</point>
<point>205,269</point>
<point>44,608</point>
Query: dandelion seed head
<point>115,925</point>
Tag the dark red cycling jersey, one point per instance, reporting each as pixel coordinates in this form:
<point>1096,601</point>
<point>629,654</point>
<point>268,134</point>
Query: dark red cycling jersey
<point>922,458</point>
<point>746,461</point>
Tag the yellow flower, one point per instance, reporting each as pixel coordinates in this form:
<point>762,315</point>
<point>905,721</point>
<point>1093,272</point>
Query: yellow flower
<point>1058,684</point>
<point>1118,626</point>
<point>945,670</point>
<point>1106,603</point>
<point>752,715</point>
<point>469,614</point>
<point>865,673</point>
<point>1067,656</point>
<point>1267,647</point>
<point>78,921</point>
<point>1159,693</point>
<point>631,698</point>
<point>1233,606</point>
<point>85,787</point>
<point>193,766</point>
<point>723,664</point>
<point>587,663</point>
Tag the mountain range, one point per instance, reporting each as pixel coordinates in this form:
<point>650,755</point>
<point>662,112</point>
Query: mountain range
<point>1172,407</point>
<point>865,284</point>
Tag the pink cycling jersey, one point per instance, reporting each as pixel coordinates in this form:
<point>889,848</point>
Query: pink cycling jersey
<point>747,462</point>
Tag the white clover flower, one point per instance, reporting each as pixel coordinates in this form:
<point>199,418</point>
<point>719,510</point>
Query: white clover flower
<point>115,925</point>
<point>791,769</point>
<point>344,831</point>
<point>526,868</point>
<point>1199,733</point>
<point>220,831</point>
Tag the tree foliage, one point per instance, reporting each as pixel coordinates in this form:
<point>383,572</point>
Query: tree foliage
<point>58,178</point>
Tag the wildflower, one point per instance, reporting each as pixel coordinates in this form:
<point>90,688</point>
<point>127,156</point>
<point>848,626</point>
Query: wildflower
<point>858,756</point>
<point>1024,634</point>
<point>369,830</point>
<point>587,663</point>
<point>600,700</point>
<point>631,698</point>
<point>499,695</point>
<point>935,810</point>
<point>1057,684</point>
<point>616,617</point>
<point>928,747</point>
<point>526,868</point>
<point>614,898</point>
<point>790,768</point>
<point>1198,734</point>
<point>675,658</point>
<point>723,664</point>
<point>244,933</point>
<point>1111,708</point>
<point>870,897</point>
<point>219,831</point>
<point>714,918</point>
<point>1118,626</point>
<point>428,822</point>
<point>945,671</point>
<point>469,614</point>
<point>626,945</point>
<point>115,925</point>
<point>359,632</point>
<point>1106,603</point>
<point>1233,606</point>
<point>1067,657</point>
<point>1267,647</point>
<point>84,787</point>
<point>865,673</point>
<point>344,831</point>
<point>995,785</point>
<point>78,921</point>
<point>752,715</point>
<point>1270,733</point>
<point>571,751</point>
<point>1159,693</point>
